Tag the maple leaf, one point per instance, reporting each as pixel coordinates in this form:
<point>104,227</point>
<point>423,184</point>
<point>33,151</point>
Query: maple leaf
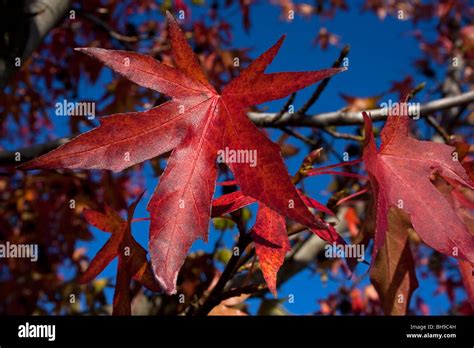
<point>195,125</point>
<point>403,87</point>
<point>400,176</point>
<point>269,233</point>
<point>271,243</point>
<point>393,272</point>
<point>230,202</point>
<point>132,260</point>
<point>461,200</point>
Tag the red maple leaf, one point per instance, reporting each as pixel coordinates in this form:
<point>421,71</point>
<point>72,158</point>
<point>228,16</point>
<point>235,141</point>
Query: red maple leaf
<point>196,124</point>
<point>269,233</point>
<point>271,243</point>
<point>400,176</point>
<point>230,202</point>
<point>132,260</point>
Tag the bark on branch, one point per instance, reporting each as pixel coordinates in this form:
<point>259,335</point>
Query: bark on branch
<point>24,25</point>
<point>336,118</point>
<point>342,118</point>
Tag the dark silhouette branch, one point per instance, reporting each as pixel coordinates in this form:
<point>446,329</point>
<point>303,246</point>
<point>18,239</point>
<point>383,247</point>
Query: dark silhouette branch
<point>28,153</point>
<point>25,24</point>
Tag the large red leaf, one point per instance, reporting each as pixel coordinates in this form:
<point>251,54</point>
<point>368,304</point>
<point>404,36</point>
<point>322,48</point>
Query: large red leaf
<point>232,201</point>
<point>269,232</point>
<point>195,124</point>
<point>400,176</point>
<point>132,260</point>
<point>460,199</point>
<point>393,272</point>
<point>271,243</point>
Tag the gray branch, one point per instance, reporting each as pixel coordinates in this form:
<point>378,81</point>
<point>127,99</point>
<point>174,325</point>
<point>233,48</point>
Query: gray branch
<point>336,118</point>
<point>342,118</point>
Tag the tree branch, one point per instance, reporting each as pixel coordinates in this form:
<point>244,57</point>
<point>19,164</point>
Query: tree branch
<point>107,28</point>
<point>38,18</point>
<point>322,86</point>
<point>438,128</point>
<point>29,153</point>
<point>341,118</point>
<point>336,118</point>
<point>214,297</point>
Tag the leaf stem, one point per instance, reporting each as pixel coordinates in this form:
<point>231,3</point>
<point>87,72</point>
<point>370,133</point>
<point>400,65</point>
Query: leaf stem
<point>215,297</point>
<point>322,86</point>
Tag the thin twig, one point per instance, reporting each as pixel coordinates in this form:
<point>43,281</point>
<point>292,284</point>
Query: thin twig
<point>104,26</point>
<point>299,136</point>
<point>244,290</point>
<point>438,128</point>
<point>251,269</point>
<point>297,247</point>
<point>454,122</point>
<point>285,107</point>
<point>217,244</point>
<point>346,118</point>
<point>214,297</point>
<point>246,258</point>
<point>342,135</point>
<point>322,86</point>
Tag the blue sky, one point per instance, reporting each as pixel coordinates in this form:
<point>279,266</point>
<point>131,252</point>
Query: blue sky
<point>381,52</point>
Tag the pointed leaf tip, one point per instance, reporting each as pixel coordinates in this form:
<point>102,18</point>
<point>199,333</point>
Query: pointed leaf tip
<point>278,44</point>
<point>83,49</point>
<point>282,38</point>
<point>170,16</point>
<point>131,208</point>
<point>368,128</point>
